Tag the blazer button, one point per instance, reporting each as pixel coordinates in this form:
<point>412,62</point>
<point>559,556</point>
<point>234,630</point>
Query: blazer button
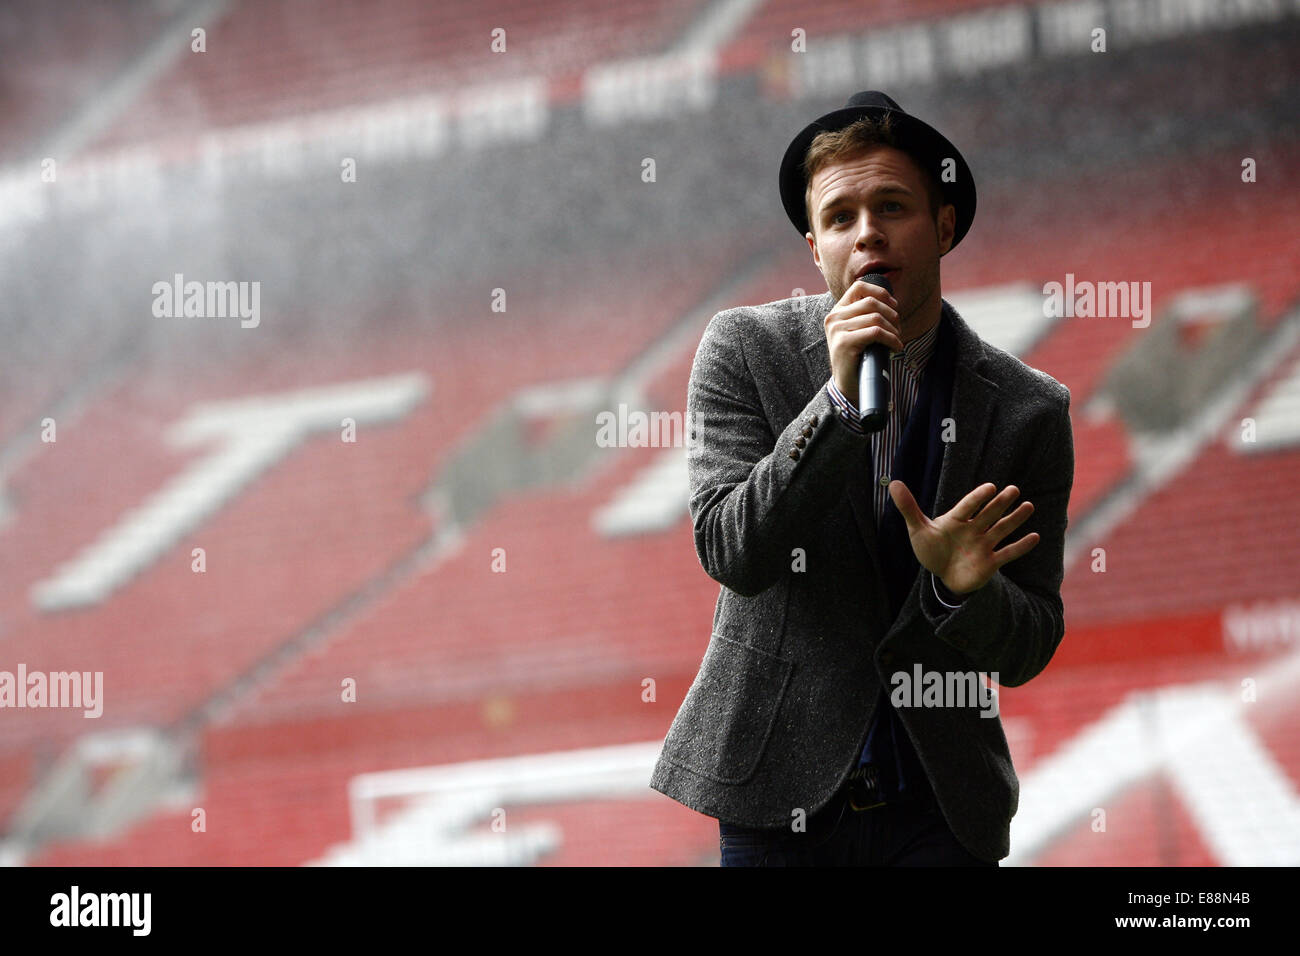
<point>794,455</point>
<point>800,442</point>
<point>812,420</point>
<point>807,433</point>
<point>886,659</point>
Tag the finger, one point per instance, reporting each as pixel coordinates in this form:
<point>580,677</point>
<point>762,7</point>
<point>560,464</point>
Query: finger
<point>860,323</point>
<point>906,505</point>
<point>872,314</point>
<point>857,288</point>
<point>876,291</point>
<point>874,300</point>
<point>996,508</point>
<point>876,335</point>
<point>1011,522</point>
<point>860,297</point>
<point>1016,550</point>
<point>966,509</point>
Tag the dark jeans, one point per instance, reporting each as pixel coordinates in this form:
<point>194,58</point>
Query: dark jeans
<point>838,835</point>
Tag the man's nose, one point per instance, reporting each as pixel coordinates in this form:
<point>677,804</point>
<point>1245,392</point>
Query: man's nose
<point>869,232</point>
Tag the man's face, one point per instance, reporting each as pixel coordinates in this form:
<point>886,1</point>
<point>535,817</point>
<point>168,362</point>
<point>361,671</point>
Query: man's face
<point>871,209</point>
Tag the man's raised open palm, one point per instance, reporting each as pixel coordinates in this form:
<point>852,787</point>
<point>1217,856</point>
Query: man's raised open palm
<point>958,547</point>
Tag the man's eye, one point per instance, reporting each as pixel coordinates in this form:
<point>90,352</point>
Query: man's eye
<point>893,202</point>
<point>839,217</point>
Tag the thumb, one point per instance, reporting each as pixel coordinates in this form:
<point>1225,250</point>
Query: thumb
<point>906,505</point>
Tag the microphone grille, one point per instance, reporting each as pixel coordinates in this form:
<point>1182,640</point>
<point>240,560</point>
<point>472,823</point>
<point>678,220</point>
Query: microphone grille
<point>875,278</point>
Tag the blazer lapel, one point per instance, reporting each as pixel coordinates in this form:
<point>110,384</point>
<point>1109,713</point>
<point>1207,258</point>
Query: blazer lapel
<point>817,360</point>
<point>973,399</point>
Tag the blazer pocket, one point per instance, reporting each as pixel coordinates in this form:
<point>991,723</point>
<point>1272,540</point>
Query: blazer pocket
<point>723,726</point>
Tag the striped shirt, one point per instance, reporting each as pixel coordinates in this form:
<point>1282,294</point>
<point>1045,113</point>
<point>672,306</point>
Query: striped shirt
<point>905,370</point>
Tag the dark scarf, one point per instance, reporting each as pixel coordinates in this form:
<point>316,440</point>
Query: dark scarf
<point>917,462</point>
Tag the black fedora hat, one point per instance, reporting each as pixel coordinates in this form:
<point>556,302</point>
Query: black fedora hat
<point>925,144</point>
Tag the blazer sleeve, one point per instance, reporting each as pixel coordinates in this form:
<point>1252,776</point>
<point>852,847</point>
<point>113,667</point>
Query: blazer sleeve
<point>1012,626</point>
<point>755,492</point>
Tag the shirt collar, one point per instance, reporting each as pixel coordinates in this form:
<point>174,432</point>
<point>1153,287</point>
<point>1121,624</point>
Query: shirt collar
<point>917,352</point>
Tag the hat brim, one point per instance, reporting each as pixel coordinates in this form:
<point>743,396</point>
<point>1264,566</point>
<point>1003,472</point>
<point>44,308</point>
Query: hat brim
<point>926,145</point>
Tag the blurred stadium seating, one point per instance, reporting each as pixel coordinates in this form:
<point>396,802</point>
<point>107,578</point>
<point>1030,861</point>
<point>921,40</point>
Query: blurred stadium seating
<point>395,638</point>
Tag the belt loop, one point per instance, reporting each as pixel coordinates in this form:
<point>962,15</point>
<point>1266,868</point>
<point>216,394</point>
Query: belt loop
<point>864,788</point>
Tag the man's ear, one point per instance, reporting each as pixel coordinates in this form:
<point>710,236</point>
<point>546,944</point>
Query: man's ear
<point>812,244</point>
<point>946,226</point>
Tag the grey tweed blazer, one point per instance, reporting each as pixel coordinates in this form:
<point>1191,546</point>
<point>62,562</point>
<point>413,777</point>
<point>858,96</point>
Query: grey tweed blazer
<point>801,640</point>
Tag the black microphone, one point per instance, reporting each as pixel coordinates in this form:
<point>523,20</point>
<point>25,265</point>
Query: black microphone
<point>873,373</point>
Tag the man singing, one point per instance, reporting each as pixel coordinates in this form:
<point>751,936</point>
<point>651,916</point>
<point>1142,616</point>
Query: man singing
<point>804,732</point>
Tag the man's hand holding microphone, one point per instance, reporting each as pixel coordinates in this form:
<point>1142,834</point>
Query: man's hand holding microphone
<point>960,547</point>
<point>865,316</point>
